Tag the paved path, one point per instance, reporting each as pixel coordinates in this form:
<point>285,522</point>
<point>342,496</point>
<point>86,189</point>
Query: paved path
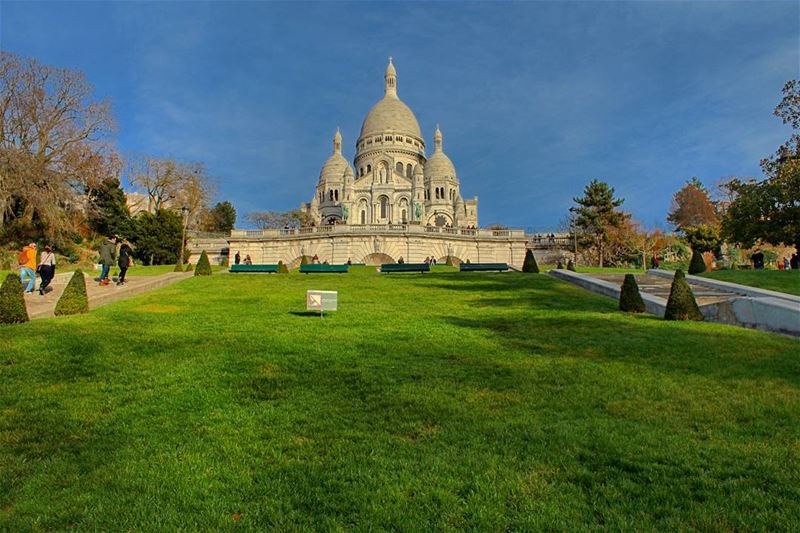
<point>43,306</point>
<point>658,286</point>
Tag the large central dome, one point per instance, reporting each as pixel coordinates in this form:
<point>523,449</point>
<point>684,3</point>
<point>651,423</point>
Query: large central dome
<point>390,113</point>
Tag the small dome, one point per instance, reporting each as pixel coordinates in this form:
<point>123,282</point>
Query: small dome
<point>334,168</point>
<point>336,165</point>
<point>438,164</point>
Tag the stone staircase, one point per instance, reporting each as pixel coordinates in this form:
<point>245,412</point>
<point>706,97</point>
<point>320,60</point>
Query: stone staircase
<point>44,306</point>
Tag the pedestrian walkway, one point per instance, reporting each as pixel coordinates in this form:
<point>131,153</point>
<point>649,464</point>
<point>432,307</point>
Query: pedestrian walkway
<point>660,286</point>
<point>44,306</point>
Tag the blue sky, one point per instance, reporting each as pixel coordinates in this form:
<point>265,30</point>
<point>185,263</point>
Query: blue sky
<point>534,99</point>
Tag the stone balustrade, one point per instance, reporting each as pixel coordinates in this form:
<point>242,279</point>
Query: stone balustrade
<point>379,229</point>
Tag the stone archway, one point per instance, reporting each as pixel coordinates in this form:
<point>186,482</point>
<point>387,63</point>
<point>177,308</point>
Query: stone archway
<point>377,258</point>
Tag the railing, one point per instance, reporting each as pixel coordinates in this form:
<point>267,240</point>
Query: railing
<point>410,228</point>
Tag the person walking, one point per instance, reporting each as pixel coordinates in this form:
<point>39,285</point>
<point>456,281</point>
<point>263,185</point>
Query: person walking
<point>108,252</point>
<point>27,264</point>
<point>46,269</point>
<point>124,261</point>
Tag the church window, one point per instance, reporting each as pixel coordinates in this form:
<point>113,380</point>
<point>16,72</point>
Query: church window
<point>377,139</point>
<point>363,216</point>
<point>409,170</point>
<point>369,141</point>
<point>361,171</point>
<point>399,168</point>
<point>388,138</point>
<point>336,194</point>
<point>369,169</point>
<point>330,195</point>
<point>403,216</point>
<point>409,141</point>
<point>384,206</point>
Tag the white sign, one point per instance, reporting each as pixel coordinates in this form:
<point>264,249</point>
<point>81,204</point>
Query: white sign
<point>321,300</point>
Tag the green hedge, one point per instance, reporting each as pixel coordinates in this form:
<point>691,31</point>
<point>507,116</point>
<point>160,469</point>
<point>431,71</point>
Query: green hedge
<point>74,299</point>
<point>630,300</point>
<point>12,301</point>
<point>571,265</point>
<point>529,265</point>
<point>697,265</point>
<point>681,304</point>
<point>203,267</point>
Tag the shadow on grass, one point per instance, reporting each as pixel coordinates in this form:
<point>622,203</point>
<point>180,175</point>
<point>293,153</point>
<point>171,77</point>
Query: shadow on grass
<point>305,313</point>
<point>709,350</point>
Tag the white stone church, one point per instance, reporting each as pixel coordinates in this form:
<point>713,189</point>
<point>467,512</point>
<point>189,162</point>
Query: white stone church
<point>393,181</point>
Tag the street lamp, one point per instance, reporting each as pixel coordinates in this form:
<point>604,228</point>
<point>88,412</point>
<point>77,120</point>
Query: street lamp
<point>184,220</point>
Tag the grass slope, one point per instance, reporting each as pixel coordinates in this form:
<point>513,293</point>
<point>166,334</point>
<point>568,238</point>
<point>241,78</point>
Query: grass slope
<point>435,401</point>
<point>774,280</point>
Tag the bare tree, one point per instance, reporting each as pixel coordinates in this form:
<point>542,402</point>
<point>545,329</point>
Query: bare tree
<point>170,184</point>
<point>54,142</point>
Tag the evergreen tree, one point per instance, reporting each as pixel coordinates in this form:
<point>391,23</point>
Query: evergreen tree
<point>304,260</point>
<point>697,265</point>
<point>571,265</point>
<point>108,212</point>
<point>74,299</point>
<point>203,267</point>
<point>448,261</point>
<point>681,304</point>
<point>12,301</point>
<point>529,265</point>
<point>221,218</point>
<point>157,237</point>
<point>189,267</point>
<point>630,300</point>
<point>560,265</point>
<point>597,213</point>
<point>282,268</point>
<point>179,267</point>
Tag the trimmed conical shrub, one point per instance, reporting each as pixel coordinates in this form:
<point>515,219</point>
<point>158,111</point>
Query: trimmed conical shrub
<point>529,264</point>
<point>681,304</point>
<point>178,268</point>
<point>449,261</point>
<point>282,268</point>
<point>12,301</point>
<point>697,265</point>
<point>630,300</point>
<point>571,265</point>
<point>189,267</point>
<point>304,260</point>
<point>560,265</point>
<point>203,267</point>
<point>74,299</point>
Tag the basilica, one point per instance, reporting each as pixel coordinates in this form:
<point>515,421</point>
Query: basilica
<point>391,180</point>
<point>394,203</point>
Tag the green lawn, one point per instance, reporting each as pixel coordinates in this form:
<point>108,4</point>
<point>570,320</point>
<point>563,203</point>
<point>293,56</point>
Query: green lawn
<point>774,280</point>
<point>443,401</point>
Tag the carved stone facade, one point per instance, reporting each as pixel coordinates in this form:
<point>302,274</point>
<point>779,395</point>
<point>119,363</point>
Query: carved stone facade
<point>392,181</point>
<point>392,203</point>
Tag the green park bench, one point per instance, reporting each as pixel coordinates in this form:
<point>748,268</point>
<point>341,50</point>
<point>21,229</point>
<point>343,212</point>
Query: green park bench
<point>314,269</point>
<point>483,267</point>
<point>388,268</point>
<point>254,268</point>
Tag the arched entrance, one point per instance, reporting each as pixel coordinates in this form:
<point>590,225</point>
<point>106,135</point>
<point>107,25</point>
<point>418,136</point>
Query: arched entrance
<point>377,259</point>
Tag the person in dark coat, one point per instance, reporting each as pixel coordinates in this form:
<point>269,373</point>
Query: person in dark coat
<point>237,259</point>
<point>124,261</point>
<point>108,252</point>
